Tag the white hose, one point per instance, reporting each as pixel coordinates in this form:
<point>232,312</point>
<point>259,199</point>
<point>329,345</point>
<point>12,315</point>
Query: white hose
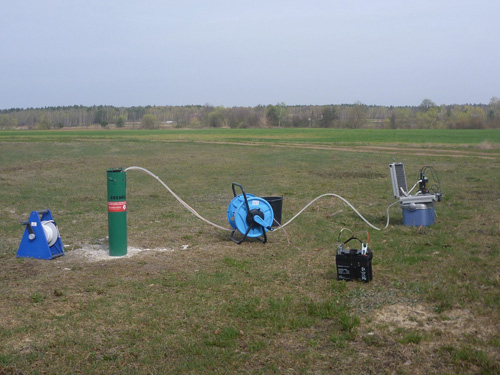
<point>346,202</point>
<point>187,206</point>
<point>193,211</point>
<point>50,230</point>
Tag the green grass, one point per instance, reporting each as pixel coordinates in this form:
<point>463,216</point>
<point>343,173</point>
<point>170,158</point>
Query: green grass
<point>308,136</point>
<point>216,307</point>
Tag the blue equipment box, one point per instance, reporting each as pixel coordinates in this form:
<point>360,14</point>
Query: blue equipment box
<point>418,215</point>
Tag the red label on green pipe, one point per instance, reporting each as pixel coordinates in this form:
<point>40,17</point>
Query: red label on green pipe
<point>117,206</point>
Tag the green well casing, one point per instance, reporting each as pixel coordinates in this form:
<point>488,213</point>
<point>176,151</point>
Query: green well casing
<point>117,211</point>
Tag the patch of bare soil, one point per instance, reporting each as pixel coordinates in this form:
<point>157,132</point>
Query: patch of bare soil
<point>96,253</point>
<point>379,346</point>
<point>456,322</point>
<point>381,338</point>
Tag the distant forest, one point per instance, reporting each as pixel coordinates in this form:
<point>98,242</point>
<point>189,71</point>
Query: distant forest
<point>427,115</point>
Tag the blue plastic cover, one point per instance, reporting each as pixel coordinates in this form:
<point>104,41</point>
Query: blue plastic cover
<point>237,214</point>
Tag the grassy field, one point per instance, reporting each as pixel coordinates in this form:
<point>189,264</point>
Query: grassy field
<point>421,137</point>
<point>197,303</point>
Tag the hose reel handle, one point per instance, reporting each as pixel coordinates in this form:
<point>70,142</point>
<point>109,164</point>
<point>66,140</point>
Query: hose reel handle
<point>31,235</point>
<point>257,219</point>
<point>243,193</point>
<point>240,186</point>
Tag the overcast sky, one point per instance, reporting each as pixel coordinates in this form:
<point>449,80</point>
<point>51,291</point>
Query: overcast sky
<point>245,53</point>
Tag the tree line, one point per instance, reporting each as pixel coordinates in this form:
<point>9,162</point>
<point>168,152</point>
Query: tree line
<point>357,115</point>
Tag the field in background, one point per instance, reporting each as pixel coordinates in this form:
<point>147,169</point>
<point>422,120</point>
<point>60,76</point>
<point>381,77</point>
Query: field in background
<point>207,305</point>
<point>421,137</point>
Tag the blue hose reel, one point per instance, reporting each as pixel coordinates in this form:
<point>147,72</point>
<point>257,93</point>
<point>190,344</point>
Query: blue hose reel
<point>251,216</point>
<point>41,239</point>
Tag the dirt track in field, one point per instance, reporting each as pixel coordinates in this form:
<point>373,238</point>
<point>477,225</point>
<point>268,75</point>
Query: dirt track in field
<point>413,150</point>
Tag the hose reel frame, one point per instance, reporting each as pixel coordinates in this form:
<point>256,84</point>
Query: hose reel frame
<point>250,215</point>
